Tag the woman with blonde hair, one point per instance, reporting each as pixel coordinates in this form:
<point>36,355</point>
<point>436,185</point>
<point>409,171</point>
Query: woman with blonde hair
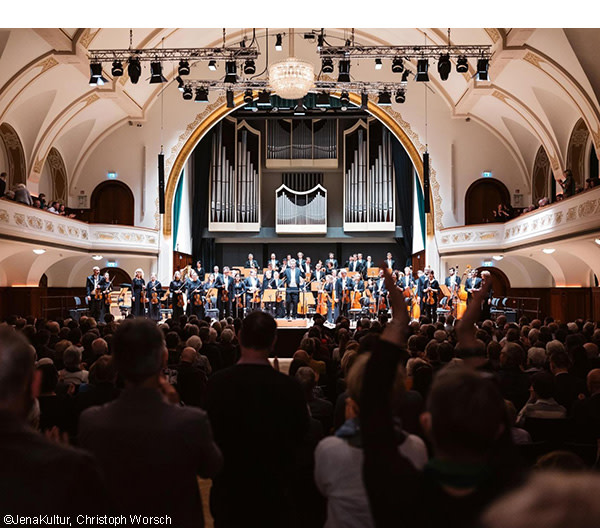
<point>138,306</point>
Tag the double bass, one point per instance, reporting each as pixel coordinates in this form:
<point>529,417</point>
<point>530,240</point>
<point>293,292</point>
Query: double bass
<point>322,300</point>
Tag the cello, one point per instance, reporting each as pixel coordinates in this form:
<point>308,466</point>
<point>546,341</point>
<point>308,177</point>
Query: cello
<point>322,300</point>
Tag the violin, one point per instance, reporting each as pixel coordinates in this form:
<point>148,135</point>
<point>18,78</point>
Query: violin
<point>154,298</point>
<point>197,299</point>
<point>429,298</point>
<point>256,296</point>
<point>225,295</point>
<point>346,297</point>
<point>239,302</point>
<point>355,300</point>
<point>143,298</point>
<point>107,292</point>
<point>98,293</point>
<point>180,302</point>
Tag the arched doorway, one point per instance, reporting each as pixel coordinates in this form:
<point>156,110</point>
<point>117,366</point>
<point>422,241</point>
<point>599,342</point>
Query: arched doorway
<point>117,275</point>
<point>112,203</point>
<point>482,198</point>
<point>500,282</point>
<point>16,155</point>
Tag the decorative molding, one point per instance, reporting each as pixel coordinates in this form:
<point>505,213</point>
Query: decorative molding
<point>494,34</point>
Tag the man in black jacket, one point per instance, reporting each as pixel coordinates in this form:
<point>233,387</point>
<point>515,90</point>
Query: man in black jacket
<point>94,285</point>
<point>151,451</point>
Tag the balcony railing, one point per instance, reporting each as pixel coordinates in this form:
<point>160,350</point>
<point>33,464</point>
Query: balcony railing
<point>34,225</point>
<point>575,215</point>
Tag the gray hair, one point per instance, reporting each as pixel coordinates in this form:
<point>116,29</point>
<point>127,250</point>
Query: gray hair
<point>536,357</point>
<point>554,346</point>
<point>72,357</point>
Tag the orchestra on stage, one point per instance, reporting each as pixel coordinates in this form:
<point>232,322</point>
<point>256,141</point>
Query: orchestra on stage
<point>291,289</point>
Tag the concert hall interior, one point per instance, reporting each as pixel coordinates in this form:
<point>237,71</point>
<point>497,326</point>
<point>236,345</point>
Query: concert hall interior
<point>300,277</point>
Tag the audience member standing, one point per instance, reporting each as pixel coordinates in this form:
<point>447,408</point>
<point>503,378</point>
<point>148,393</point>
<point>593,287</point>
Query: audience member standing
<point>260,418</point>
<point>150,450</point>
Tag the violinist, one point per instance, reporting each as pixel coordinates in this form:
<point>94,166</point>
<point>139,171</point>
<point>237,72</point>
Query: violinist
<point>153,291</point>
<point>452,281</point>
<point>277,283</point>
<point>94,285</point>
<point>239,289</point>
<point>368,265</point>
<point>176,294</point>
<point>106,296</point>
<point>210,284</point>
<point>273,262</point>
<point>252,262</point>
<point>331,263</point>
<point>225,285</point>
<point>138,294</point>
<point>343,287</point>
<point>431,290</point>
<point>319,273</point>
<point>253,290</point>
<point>200,271</point>
<point>422,277</point>
<point>380,292</point>
<point>329,289</point>
<point>195,292</point>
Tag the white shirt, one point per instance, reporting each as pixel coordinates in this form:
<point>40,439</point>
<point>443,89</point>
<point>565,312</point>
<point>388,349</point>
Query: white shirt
<point>293,279</point>
<point>338,475</point>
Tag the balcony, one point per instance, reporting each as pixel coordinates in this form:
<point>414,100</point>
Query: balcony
<point>27,224</point>
<point>572,217</point>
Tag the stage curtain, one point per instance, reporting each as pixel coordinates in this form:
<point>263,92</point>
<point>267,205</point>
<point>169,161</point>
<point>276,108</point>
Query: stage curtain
<point>421,205</point>
<point>177,208</point>
<point>203,248</point>
<point>403,169</point>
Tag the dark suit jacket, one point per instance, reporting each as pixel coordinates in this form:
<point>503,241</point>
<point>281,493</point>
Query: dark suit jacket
<point>335,263</point>
<point>276,266</point>
<point>41,477</point>
<point>287,276</point>
<point>338,287</point>
<point>151,453</point>
<point>201,273</point>
<point>220,283</point>
<point>253,264</point>
<point>89,284</point>
<point>456,281</point>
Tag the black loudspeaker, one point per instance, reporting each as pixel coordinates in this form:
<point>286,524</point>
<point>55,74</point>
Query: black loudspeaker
<point>426,186</point>
<point>161,183</point>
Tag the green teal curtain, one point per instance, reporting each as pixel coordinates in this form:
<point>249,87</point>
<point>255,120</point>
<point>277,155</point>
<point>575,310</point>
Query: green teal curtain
<point>403,170</point>
<point>177,208</point>
<point>421,205</point>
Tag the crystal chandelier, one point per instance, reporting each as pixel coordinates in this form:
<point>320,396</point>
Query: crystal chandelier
<point>291,78</point>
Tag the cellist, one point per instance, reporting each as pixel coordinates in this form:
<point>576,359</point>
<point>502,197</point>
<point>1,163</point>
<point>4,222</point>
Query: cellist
<point>153,291</point>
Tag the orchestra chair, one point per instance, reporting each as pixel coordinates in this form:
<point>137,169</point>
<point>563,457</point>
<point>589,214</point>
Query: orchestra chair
<point>79,310</point>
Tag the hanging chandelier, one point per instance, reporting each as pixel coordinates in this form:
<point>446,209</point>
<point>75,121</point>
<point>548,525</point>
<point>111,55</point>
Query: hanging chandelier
<point>291,78</point>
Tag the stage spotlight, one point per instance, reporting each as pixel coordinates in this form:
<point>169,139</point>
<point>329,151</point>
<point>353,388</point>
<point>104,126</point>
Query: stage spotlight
<point>300,109</point>
<point>278,44</point>
<point>156,76</point>
<point>320,42</point>
<point>134,70</point>
<point>249,67</point>
<point>230,72</point>
<point>117,69</point>
<point>322,100</point>
<point>400,96</point>
<point>482,69</point>
<point>229,97</point>
<point>344,71</point>
<point>462,64</point>
<point>397,65</point>
<point>385,98</point>
<point>264,99</point>
<point>405,77</point>
<point>248,97</point>
<point>444,66</point>
<point>422,69</point>
<point>201,95</point>
<point>212,65</point>
<point>327,66</point>
<point>184,68</point>
<point>364,100</point>
<point>345,100</point>
<point>378,64</point>
<point>180,84</point>
<point>187,93</point>
<point>96,78</point>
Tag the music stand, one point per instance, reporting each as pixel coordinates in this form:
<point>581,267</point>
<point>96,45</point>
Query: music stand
<point>444,289</point>
<point>315,286</point>
<point>373,272</point>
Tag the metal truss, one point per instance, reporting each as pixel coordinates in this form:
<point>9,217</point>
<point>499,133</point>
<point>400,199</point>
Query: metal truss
<point>174,54</point>
<point>407,52</point>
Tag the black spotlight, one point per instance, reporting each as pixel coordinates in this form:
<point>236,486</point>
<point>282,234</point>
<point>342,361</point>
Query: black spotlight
<point>378,64</point>
<point>345,100</point>
<point>462,65</point>
<point>229,97</point>
<point>156,76</point>
<point>212,65</point>
<point>422,69</point>
<point>482,69</point>
<point>187,93</point>
<point>184,68</point>
<point>397,65</point>
<point>278,45</point>
<point>364,100</point>
<point>230,72</point>
<point>201,95</point>
<point>320,42</point>
<point>444,66</point>
<point>248,97</point>
<point>344,74</point>
<point>405,77</point>
<point>180,83</point>
<point>385,98</point>
<point>96,78</point>
<point>117,69</point>
<point>322,100</point>
<point>327,66</point>
<point>400,96</point>
<point>134,70</point>
<point>264,99</point>
<point>249,67</point>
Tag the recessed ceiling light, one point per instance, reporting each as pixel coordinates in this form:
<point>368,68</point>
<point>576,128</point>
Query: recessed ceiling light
<point>498,257</point>
<point>548,251</point>
<point>97,257</point>
<point>39,251</point>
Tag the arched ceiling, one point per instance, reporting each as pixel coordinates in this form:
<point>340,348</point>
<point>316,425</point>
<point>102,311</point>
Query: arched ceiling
<point>541,82</point>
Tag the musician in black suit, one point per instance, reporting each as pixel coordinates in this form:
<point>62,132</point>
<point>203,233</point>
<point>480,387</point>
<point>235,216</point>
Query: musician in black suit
<point>239,289</point>
<point>300,263</point>
<point>352,265</point>
<point>275,265</point>
<point>329,288</point>
<point>379,289</point>
<point>343,285</point>
<point>407,281</point>
<point>486,304</point>
<point>368,265</point>
<point>200,271</point>
<point>391,263</point>
<point>292,277</point>
<point>194,291</point>
<point>422,277</point>
<point>472,285</point>
<point>277,283</point>
<point>251,262</point>
<point>360,264</point>
<point>252,285</point>
<point>224,283</point>
<point>333,260</point>
<point>452,281</point>
<point>138,308</point>
<point>106,289</point>
<point>153,287</point>
<point>94,286</point>
<point>176,292</point>
<point>319,273</point>
<point>431,290</point>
